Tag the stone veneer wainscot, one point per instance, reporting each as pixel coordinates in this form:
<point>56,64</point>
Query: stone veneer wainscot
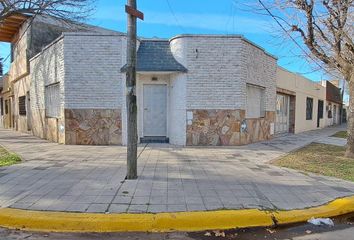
<point>223,128</point>
<point>93,126</point>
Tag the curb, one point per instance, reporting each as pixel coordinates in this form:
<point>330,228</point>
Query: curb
<point>165,222</point>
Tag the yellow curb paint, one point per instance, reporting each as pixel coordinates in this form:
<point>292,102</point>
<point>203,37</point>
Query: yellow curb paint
<point>163,222</point>
<point>160,222</point>
<point>335,208</point>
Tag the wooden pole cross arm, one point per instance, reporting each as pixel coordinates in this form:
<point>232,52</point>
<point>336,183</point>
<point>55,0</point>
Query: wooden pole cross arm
<point>132,11</point>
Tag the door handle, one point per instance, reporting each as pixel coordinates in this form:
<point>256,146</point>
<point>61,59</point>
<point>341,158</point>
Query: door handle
<point>145,109</point>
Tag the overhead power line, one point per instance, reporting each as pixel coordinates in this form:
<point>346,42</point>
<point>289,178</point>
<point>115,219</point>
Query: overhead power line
<point>175,17</point>
<point>292,38</point>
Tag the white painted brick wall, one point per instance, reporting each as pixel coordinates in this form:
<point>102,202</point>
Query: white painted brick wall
<point>47,67</point>
<point>259,69</point>
<point>92,71</point>
<point>219,68</point>
<point>177,114</point>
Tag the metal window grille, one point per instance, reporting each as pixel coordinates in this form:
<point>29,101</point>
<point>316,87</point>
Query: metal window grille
<point>309,108</point>
<point>52,101</point>
<point>22,105</point>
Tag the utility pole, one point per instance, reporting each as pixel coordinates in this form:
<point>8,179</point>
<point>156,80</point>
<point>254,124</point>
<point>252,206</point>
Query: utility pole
<point>132,145</point>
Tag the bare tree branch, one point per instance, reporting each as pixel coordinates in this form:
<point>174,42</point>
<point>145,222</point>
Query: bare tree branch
<point>71,10</point>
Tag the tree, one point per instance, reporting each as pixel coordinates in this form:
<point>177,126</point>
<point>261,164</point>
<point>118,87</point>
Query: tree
<point>62,9</point>
<point>326,29</point>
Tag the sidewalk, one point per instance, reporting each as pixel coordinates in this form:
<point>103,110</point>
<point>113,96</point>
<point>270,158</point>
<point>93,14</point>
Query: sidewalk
<point>57,177</point>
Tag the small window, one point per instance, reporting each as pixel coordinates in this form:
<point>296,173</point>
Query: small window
<point>255,107</point>
<point>2,106</point>
<point>309,108</point>
<point>22,105</point>
<point>52,101</point>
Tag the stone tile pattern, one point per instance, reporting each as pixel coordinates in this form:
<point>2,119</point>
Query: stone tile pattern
<point>223,128</point>
<point>93,126</point>
<point>77,178</point>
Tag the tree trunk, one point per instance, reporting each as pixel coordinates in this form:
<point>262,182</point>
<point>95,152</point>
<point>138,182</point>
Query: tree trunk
<point>350,141</point>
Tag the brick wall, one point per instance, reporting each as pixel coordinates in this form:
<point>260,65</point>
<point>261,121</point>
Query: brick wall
<point>219,67</point>
<point>47,67</point>
<point>92,71</point>
<point>260,69</point>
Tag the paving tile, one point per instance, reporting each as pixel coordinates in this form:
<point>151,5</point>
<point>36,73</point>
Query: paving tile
<point>118,208</point>
<point>104,199</point>
<point>97,208</point>
<point>177,208</point>
<point>86,199</point>
<point>175,200</point>
<point>84,178</point>
<point>140,200</point>
<point>122,199</point>
<point>78,207</point>
<point>196,207</point>
<point>137,208</point>
<point>158,199</point>
<point>341,189</point>
<point>157,208</point>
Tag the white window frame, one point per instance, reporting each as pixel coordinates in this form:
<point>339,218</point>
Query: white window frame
<point>52,100</point>
<point>260,103</point>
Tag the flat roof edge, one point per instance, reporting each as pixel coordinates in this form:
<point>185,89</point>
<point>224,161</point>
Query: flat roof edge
<point>224,36</point>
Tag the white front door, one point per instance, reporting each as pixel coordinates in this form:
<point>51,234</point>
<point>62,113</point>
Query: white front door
<point>282,114</point>
<point>155,110</point>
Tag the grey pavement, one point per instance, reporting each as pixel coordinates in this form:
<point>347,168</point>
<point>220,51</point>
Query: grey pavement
<point>56,177</point>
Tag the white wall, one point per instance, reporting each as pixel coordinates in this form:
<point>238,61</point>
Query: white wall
<point>219,67</point>
<point>47,67</point>
<point>259,68</point>
<point>335,118</point>
<point>92,71</point>
<point>177,113</point>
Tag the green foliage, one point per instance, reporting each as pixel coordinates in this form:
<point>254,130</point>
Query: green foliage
<point>7,158</point>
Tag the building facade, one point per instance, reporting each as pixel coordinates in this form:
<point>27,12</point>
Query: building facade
<point>304,105</point>
<point>195,90</point>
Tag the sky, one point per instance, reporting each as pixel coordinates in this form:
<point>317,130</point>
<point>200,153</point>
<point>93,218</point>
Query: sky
<point>167,18</point>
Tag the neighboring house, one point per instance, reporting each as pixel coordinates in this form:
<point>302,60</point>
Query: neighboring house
<point>334,103</point>
<point>191,89</point>
<point>6,100</point>
<point>304,105</point>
